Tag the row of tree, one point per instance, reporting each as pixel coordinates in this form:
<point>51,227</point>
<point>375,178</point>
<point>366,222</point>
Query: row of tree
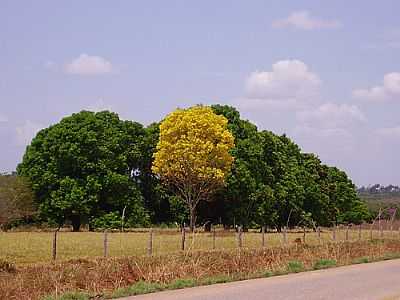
<point>93,168</point>
<point>379,189</point>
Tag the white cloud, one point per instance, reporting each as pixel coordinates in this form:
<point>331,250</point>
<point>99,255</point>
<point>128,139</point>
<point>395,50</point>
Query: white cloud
<point>26,132</point>
<point>303,20</point>
<point>389,90</point>
<point>328,127</point>
<point>390,132</point>
<point>88,65</point>
<point>290,82</point>
<point>331,116</point>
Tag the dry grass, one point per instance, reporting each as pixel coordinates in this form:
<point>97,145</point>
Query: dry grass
<point>102,276</point>
<point>33,247</point>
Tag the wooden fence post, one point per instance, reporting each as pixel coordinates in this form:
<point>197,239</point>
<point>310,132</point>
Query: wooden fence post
<point>150,246</point>
<point>54,252</point>
<point>319,235</point>
<point>380,229</point>
<point>239,236</point>
<point>284,236</point>
<point>105,243</point>
<point>359,232</point>
<point>347,233</point>
<point>304,235</point>
<point>183,238</point>
<point>371,231</point>
<point>213,236</point>
<point>334,233</point>
<point>263,236</point>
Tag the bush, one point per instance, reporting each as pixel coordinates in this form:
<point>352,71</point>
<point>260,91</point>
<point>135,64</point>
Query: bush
<point>113,220</point>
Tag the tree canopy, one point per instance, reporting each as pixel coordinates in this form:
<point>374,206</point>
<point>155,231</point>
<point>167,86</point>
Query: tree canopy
<point>85,167</point>
<point>97,169</point>
<point>273,183</point>
<point>192,155</point>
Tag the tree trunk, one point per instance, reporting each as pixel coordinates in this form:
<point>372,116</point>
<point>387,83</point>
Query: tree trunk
<point>76,223</point>
<point>192,219</point>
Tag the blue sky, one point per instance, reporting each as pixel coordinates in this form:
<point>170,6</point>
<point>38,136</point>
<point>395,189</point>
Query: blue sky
<point>325,73</point>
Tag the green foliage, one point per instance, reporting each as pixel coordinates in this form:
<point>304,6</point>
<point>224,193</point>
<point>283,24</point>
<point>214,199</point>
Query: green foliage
<point>273,183</point>
<point>85,166</point>
<point>92,167</point>
<point>110,220</point>
<point>114,220</point>
<point>17,203</point>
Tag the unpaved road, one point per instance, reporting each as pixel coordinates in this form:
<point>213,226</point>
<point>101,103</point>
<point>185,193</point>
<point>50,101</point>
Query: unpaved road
<point>375,281</point>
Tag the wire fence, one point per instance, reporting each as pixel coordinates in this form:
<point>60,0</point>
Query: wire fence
<point>29,247</point>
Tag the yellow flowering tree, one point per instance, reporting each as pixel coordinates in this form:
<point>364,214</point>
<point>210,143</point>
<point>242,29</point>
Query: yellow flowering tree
<point>193,154</point>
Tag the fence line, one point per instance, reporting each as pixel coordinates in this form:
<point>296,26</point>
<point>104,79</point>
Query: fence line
<point>210,240</point>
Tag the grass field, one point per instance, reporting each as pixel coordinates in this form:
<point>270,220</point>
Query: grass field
<point>34,247</point>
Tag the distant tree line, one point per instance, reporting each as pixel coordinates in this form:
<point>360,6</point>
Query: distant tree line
<point>379,189</point>
<point>381,199</point>
<point>96,169</point>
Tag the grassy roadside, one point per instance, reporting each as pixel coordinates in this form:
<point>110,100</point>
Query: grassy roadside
<point>113,278</point>
<point>143,287</point>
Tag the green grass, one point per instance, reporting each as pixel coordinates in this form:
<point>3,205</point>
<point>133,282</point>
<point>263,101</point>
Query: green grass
<point>295,266</point>
<point>324,264</point>
<point>34,247</point>
<point>138,288</point>
<point>69,296</point>
<point>362,260</point>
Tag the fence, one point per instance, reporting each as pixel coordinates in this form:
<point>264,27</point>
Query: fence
<point>44,246</point>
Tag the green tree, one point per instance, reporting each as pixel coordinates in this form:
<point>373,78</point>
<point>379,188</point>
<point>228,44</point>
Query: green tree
<point>16,200</point>
<point>273,183</point>
<point>86,166</point>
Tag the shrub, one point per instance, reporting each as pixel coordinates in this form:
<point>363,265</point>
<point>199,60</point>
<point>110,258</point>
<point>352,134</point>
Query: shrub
<point>113,220</point>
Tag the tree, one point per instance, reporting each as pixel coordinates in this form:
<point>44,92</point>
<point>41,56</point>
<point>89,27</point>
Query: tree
<point>237,205</point>
<point>86,166</point>
<point>16,199</point>
<point>193,154</point>
<point>273,183</point>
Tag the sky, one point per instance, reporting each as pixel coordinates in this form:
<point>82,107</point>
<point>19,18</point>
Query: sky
<point>326,73</point>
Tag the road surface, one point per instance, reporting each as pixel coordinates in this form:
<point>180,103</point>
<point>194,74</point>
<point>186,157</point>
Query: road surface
<point>375,281</point>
